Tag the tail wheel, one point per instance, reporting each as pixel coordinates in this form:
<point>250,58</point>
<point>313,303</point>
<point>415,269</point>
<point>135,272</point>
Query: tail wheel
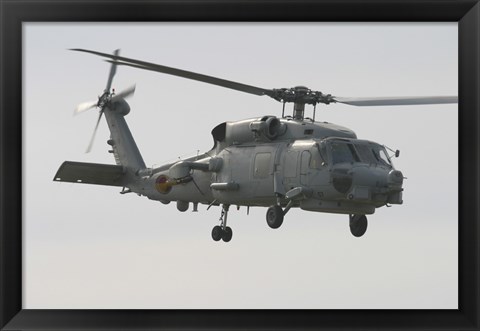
<point>274,217</point>
<point>358,225</point>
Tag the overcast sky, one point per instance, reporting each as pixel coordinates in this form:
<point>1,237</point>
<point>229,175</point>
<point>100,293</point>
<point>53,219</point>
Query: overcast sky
<point>87,246</point>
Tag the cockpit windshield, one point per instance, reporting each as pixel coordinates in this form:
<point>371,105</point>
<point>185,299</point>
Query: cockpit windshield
<point>358,151</point>
<point>343,152</point>
<point>373,153</point>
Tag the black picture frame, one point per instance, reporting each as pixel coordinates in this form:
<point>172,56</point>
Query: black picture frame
<point>13,13</point>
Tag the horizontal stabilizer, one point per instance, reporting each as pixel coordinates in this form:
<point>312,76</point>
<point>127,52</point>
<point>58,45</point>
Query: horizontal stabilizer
<point>90,173</point>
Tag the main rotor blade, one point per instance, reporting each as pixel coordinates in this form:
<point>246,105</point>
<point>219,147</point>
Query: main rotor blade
<point>113,70</point>
<point>181,73</point>
<point>84,106</point>
<point>397,101</point>
<point>89,148</point>
<point>124,94</point>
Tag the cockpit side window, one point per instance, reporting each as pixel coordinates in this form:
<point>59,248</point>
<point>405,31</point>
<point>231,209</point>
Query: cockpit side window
<point>319,156</point>
<point>316,160</point>
<point>343,153</point>
<point>383,157</point>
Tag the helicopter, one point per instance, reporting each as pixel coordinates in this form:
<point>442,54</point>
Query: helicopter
<point>280,163</point>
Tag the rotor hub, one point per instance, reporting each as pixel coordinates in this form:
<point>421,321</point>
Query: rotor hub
<point>301,94</point>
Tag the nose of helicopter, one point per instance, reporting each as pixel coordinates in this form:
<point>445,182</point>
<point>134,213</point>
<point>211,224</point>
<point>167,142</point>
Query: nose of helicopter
<point>376,184</point>
<point>395,181</point>
<point>395,178</point>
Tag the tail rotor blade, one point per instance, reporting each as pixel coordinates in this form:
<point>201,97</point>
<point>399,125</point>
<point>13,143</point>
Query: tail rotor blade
<point>124,94</point>
<point>84,106</point>
<point>89,148</point>
<point>113,70</point>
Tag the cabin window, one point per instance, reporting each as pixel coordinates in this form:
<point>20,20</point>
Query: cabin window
<point>305,161</point>
<point>291,163</point>
<point>262,165</point>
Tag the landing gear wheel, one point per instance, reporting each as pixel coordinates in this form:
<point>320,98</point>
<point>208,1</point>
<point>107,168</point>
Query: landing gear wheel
<point>217,233</point>
<point>358,225</point>
<point>274,217</point>
<point>227,234</point>
<point>222,231</point>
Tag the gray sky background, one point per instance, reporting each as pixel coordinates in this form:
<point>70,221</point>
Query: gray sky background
<point>88,246</point>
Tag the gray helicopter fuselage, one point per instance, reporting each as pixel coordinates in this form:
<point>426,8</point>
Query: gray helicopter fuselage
<point>272,162</point>
<point>318,166</point>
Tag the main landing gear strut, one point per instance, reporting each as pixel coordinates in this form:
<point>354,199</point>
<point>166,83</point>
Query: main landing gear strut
<point>222,231</point>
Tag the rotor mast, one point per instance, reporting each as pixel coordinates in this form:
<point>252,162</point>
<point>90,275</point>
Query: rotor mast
<point>298,110</point>
<point>299,103</point>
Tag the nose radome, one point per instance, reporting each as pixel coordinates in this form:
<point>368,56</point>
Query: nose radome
<point>395,177</point>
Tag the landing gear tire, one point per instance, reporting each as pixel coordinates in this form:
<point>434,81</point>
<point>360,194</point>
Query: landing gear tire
<point>227,234</point>
<point>217,233</point>
<point>274,217</point>
<point>222,231</point>
<point>358,225</point>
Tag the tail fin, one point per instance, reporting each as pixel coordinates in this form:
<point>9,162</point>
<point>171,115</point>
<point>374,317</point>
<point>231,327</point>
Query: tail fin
<point>124,148</point>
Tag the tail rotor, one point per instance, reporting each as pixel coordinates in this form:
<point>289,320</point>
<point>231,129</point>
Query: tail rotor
<point>105,99</point>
